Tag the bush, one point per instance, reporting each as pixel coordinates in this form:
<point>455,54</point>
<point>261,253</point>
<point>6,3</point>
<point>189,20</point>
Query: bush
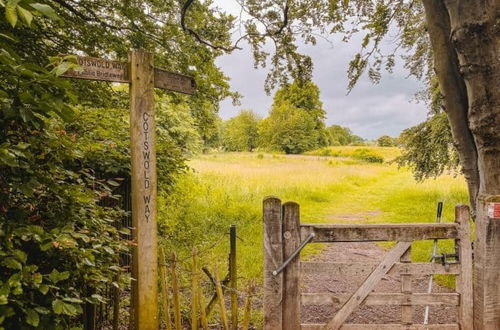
<point>367,155</point>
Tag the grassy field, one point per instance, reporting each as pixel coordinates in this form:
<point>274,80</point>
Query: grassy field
<point>228,188</point>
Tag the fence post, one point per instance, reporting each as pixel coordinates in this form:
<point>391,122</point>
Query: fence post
<point>233,277</point>
<point>273,258</point>
<point>464,280</point>
<point>406,288</point>
<point>291,274</point>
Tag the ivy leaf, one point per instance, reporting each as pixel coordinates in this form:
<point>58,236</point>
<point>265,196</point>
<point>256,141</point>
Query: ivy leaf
<point>32,317</point>
<point>11,13</point>
<point>45,10</point>
<point>25,15</point>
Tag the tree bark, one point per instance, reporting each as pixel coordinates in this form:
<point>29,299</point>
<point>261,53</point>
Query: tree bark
<point>454,91</point>
<point>465,40</point>
<point>475,34</point>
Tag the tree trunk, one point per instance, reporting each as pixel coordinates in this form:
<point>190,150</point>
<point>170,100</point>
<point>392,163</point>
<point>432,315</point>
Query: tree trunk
<point>465,40</point>
<point>454,91</point>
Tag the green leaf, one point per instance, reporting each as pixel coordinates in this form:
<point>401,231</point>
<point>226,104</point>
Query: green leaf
<point>25,15</point>
<point>60,307</point>
<point>12,263</point>
<point>32,317</point>
<point>3,300</point>
<point>56,276</point>
<point>11,13</point>
<point>44,288</point>
<point>45,10</point>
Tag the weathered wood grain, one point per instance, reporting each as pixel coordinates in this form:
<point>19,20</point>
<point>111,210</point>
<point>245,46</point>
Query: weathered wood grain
<point>273,258</point>
<point>291,274</point>
<point>385,327</point>
<point>143,160</point>
<point>378,232</point>
<point>374,299</point>
<point>406,279</point>
<point>364,269</point>
<point>464,280</point>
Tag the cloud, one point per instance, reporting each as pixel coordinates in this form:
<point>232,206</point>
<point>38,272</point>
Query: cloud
<point>369,110</point>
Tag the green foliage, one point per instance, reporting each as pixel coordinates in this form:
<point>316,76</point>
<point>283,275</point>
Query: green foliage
<point>296,121</point>
<point>428,148</point>
<point>241,132</point>
<point>62,166</point>
<point>387,141</point>
<point>367,155</point>
<point>342,136</point>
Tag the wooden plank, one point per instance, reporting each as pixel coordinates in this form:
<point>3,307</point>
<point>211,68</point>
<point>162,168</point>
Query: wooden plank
<point>464,280</point>
<point>364,269</point>
<point>378,232</point>
<point>143,159</point>
<point>406,279</point>
<point>93,68</point>
<point>273,258</point>
<point>368,285</point>
<point>352,326</point>
<point>174,82</point>
<point>375,299</point>
<point>291,274</point>
<point>100,69</point>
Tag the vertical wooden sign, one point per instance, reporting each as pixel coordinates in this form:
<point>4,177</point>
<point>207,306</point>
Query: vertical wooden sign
<point>144,191</point>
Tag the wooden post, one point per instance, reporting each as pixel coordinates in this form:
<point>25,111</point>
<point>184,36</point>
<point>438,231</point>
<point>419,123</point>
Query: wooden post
<point>464,280</point>
<point>291,274</point>
<point>194,292</point>
<point>164,290</point>
<point>487,265</point>
<point>273,258</point>
<point>175,289</point>
<point>220,298</point>
<point>406,279</point>
<point>143,158</point>
<point>233,277</point>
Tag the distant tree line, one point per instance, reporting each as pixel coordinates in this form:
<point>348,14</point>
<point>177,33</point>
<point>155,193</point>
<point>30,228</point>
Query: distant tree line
<point>296,123</point>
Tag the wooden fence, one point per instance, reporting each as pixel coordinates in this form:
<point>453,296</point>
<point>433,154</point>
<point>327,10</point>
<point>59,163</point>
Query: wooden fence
<point>284,234</point>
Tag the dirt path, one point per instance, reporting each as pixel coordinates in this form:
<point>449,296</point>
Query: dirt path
<point>365,252</point>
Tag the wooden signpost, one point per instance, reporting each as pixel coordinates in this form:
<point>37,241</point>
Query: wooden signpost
<point>143,77</point>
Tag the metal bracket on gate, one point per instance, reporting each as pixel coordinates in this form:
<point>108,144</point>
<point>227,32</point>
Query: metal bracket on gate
<point>294,254</point>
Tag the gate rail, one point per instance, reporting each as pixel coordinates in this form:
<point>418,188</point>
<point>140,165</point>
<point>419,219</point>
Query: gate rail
<point>284,236</point>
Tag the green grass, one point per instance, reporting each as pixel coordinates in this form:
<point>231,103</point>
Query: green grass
<point>228,188</point>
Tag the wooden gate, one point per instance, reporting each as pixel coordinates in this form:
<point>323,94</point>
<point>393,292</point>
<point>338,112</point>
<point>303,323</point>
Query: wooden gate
<point>284,237</point>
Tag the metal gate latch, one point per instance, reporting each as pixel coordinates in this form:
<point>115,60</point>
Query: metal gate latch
<point>294,254</point>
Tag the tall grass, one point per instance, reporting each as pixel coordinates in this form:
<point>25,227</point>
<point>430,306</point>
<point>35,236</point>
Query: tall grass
<point>228,188</point>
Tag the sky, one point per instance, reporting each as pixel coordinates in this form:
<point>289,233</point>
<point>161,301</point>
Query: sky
<point>369,110</point>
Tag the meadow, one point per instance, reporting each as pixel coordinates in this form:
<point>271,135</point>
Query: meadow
<point>228,188</point>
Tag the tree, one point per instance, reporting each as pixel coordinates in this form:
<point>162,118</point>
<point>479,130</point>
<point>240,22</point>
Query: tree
<point>289,129</point>
<point>456,39</point>
<point>241,132</point>
<point>296,120</point>
<point>342,136</point>
<point>64,146</point>
<point>387,141</point>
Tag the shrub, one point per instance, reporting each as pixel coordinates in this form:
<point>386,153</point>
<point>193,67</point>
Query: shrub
<point>367,155</point>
